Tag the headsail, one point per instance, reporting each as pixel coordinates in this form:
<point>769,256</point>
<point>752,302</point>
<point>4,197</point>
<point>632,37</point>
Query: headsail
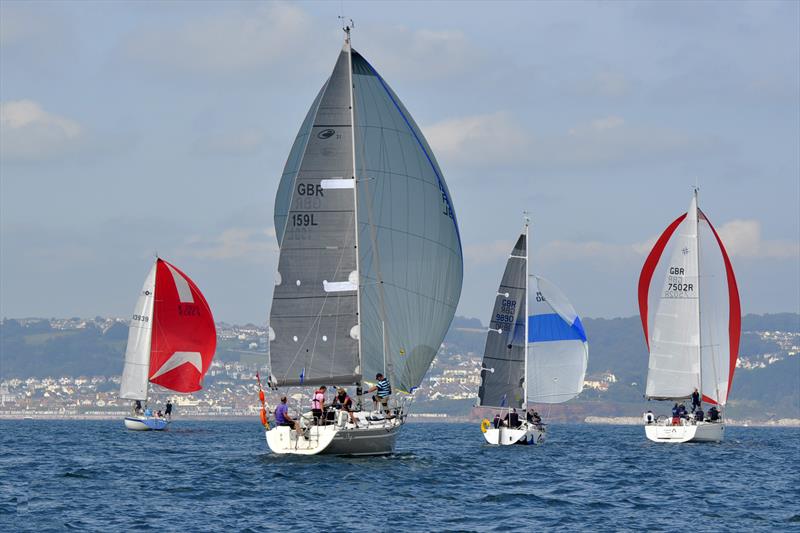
<point>406,273</point>
<point>558,351</point>
<point>692,321</point>
<point>503,366</point>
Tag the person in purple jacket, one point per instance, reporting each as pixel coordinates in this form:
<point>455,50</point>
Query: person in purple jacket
<point>282,417</point>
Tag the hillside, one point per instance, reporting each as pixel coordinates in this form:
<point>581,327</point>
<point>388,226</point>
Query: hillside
<point>767,383</point>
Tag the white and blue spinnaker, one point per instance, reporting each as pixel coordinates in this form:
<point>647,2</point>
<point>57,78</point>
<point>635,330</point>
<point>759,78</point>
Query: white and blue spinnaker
<point>558,351</point>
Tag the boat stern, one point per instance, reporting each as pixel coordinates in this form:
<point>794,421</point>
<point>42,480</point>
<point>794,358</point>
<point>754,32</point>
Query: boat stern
<point>699,432</point>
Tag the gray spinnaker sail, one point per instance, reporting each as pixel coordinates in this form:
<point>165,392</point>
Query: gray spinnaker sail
<point>411,262</point>
<point>313,320</point>
<point>410,265</point>
<point>503,366</point>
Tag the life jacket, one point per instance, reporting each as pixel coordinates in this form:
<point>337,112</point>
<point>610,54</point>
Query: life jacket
<point>318,400</point>
<point>344,402</point>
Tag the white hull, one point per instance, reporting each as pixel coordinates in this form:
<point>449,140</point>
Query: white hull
<point>688,431</point>
<point>145,423</point>
<point>373,436</point>
<point>526,434</point>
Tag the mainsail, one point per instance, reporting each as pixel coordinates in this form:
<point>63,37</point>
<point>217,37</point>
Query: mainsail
<point>691,321</point>
<point>172,337</point>
<point>370,266</point>
<point>133,385</point>
<point>503,366</point>
<point>558,351</point>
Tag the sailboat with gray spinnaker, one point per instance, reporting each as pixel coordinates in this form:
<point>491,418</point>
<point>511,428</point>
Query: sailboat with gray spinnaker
<point>370,266</point>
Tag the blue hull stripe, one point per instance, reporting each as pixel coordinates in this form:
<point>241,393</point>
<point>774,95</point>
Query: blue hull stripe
<point>551,327</point>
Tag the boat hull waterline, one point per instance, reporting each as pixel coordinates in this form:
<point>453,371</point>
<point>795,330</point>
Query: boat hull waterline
<point>692,432</point>
<point>504,436</point>
<point>372,437</point>
<point>145,423</point>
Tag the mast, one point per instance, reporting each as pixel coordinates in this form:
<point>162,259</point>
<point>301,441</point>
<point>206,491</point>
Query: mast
<point>347,28</point>
<point>697,266</point>
<point>699,307</point>
<point>527,255</point>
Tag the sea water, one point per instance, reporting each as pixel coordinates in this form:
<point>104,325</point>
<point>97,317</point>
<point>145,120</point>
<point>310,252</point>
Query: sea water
<point>215,476</point>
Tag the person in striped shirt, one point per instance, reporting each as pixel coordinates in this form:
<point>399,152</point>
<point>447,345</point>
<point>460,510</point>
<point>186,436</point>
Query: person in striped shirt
<point>382,392</point>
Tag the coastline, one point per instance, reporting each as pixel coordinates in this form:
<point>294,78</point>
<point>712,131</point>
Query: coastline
<point>419,418</point>
<point>637,421</point>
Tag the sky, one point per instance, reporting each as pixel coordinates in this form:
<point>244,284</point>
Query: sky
<point>129,129</point>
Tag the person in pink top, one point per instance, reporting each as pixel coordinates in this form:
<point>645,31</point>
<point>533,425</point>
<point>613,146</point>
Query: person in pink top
<point>318,404</point>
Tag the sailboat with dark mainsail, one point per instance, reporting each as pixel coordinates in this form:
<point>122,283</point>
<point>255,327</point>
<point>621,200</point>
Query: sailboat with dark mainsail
<point>535,352</point>
<point>171,342</point>
<point>370,266</point>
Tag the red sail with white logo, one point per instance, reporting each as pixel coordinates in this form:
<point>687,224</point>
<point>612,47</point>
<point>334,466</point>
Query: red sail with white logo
<point>184,337</point>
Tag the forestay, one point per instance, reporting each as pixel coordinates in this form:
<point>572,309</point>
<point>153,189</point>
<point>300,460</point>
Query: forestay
<point>503,366</point>
<point>558,351</point>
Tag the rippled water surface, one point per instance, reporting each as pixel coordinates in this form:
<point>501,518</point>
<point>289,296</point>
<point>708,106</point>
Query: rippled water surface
<point>93,475</point>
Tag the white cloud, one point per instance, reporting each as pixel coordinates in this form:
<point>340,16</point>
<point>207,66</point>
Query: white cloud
<point>596,126</point>
<point>234,243</point>
<point>499,140</point>
<point>482,253</point>
<point>444,53</point>
<point>609,83</point>
<point>612,139</point>
<point>29,132</point>
<point>22,24</point>
<point>611,253</point>
<point>604,83</point>
<point>477,138</point>
<point>742,238</point>
<point>242,142</point>
<point>229,42</point>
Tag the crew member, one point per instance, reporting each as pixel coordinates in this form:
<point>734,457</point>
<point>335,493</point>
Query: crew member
<point>382,392</point>
<point>345,403</point>
<point>695,400</point>
<point>318,404</point>
<point>282,417</point>
<point>676,414</point>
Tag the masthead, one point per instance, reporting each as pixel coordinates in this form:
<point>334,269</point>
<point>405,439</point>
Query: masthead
<point>347,25</point>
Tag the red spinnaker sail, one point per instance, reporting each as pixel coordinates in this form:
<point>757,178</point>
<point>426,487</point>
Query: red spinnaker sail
<point>735,307</point>
<point>184,337</point>
<point>721,297</point>
<point>647,274</point>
